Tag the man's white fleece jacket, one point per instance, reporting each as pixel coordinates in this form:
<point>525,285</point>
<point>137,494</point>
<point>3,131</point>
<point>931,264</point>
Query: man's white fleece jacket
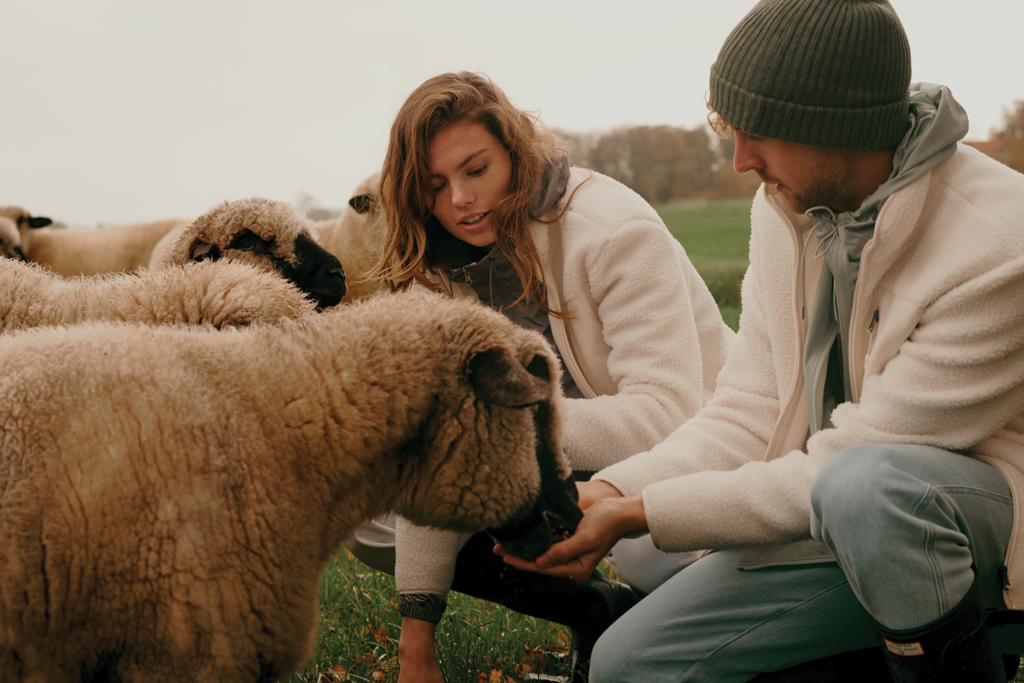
<point>936,358</point>
<point>645,343</point>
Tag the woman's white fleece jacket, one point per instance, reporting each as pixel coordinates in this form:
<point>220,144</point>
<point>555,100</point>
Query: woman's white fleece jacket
<point>645,343</point>
<point>936,358</point>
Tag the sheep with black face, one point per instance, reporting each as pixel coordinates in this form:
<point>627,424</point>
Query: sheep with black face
<point>263,232</point>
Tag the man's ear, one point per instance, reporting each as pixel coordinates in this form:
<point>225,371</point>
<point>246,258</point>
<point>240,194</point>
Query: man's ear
<point>201,251</point>
<point>498,378</point>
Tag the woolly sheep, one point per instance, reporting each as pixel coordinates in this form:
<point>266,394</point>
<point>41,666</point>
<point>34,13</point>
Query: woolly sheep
<point>120,248</point>
<point>23,218</point>
<point>215,294</point>
<point>263,232</point>
<point>356,238</point>
<point>169,495</point>
<point>10,240</point>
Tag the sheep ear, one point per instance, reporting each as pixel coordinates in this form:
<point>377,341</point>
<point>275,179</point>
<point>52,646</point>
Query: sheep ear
<point>39,222</point>
<point>361,203</point>
<point>498,378</point>
<point>201,251</point>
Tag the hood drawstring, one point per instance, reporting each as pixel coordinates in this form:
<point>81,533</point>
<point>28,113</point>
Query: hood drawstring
<point>803,279</point>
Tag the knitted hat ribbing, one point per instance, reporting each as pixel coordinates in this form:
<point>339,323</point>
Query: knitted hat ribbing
<point>824,73</point>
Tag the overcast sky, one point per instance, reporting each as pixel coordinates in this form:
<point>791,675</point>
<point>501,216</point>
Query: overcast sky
<point>117,111</point>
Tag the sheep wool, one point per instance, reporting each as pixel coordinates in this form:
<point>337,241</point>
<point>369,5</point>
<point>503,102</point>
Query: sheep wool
<point>214,294</point>
<point>113,249</point>
<point>169,495</point>
<point>357,238</point>
<point>262,232</point>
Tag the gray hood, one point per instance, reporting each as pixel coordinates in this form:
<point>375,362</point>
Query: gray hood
<point>937,123</point>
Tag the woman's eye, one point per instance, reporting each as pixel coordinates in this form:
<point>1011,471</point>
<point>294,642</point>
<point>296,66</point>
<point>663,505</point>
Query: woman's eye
<point>479,171</point>
<point>438,188</point>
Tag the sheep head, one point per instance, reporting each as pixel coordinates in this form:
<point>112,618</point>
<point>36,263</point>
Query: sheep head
<point>489,455</point>
<point>268,234</point>
<point>10,240</point>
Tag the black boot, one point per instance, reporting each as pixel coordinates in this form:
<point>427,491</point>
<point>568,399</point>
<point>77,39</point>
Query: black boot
<point>855,666</point>
<point>956,648</point>
<point>587,608</point>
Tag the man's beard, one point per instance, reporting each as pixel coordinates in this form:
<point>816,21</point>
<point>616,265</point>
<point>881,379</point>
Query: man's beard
<point>829,184</point>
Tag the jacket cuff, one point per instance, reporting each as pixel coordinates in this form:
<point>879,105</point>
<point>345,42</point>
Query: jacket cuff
<point>426,606</point>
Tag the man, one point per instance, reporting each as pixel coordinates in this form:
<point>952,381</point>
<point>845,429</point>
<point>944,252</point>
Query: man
<point>854,468</point>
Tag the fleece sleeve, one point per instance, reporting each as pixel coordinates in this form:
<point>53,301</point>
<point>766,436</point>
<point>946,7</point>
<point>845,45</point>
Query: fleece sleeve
<point>690,480</point>
<point>667,344</point>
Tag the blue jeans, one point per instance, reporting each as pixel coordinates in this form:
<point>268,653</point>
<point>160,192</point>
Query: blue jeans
<point>906,522</point>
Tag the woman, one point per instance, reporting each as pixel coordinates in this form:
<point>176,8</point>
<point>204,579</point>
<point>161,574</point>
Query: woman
<point>480,201</point>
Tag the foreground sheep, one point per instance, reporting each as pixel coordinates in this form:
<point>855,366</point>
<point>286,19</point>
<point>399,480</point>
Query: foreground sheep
<point>357,237</point>
<point>169,496</point>
<point>262,232</point>
<point>202,293</point>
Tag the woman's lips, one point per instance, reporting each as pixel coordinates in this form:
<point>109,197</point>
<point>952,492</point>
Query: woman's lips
<point>478,221</point>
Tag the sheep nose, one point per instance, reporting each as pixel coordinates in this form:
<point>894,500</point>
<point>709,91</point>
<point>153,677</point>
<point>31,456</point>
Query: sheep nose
<point>338,274</point>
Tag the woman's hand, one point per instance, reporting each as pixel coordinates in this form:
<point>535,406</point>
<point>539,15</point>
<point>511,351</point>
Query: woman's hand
<point>417,660</point>
<point>603,524</point>
<point>591,492</point>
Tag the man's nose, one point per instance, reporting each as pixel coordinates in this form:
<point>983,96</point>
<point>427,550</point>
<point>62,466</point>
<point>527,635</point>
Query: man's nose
<point>747,155</point>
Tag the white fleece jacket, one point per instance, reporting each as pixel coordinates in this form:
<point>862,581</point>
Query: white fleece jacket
<point>645,343</point>
<point>936,356</point>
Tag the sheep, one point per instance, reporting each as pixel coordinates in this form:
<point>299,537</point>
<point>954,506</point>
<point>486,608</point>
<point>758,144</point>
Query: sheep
<point>169,495</point>
<point>10,240</point>
<point>263,232</point>
<point>356,238</point>
<point>215,294</point>
<point>23,218</point>
<point>120,248</point>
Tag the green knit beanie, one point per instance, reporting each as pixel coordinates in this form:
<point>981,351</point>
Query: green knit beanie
<point>824,73</point>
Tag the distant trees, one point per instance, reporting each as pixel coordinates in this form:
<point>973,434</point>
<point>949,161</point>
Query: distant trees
<point>662,163</point>
<point>1011,132</point>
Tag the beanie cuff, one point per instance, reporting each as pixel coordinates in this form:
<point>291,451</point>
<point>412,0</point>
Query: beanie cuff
<point>860,130</point>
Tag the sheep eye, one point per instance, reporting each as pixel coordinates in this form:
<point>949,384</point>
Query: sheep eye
<point>247,244</point>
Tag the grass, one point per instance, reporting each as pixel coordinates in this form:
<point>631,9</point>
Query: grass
<point>477,641</point>
<point>715,235</point>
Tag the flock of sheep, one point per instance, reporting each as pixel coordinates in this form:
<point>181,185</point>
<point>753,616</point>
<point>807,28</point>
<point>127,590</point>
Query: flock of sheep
<point>195,415</point>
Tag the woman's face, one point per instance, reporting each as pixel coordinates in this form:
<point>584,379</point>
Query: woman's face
<point>470,171</point>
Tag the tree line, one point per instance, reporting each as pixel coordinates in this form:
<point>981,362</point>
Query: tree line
<point>663,163</point>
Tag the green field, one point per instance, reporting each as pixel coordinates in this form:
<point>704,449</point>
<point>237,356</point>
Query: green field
<point>715,235</point>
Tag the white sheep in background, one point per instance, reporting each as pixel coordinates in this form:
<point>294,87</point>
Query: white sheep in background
<point>23,218</point>
<point>10,240</point>
<point>119,248</point>
<point>357,238</point>
<point>215,294</point>
<point>169,495</point>
<point>270,234</point>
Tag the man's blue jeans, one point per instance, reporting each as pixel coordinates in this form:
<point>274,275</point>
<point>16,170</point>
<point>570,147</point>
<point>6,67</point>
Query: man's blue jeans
<point>905,522</point>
